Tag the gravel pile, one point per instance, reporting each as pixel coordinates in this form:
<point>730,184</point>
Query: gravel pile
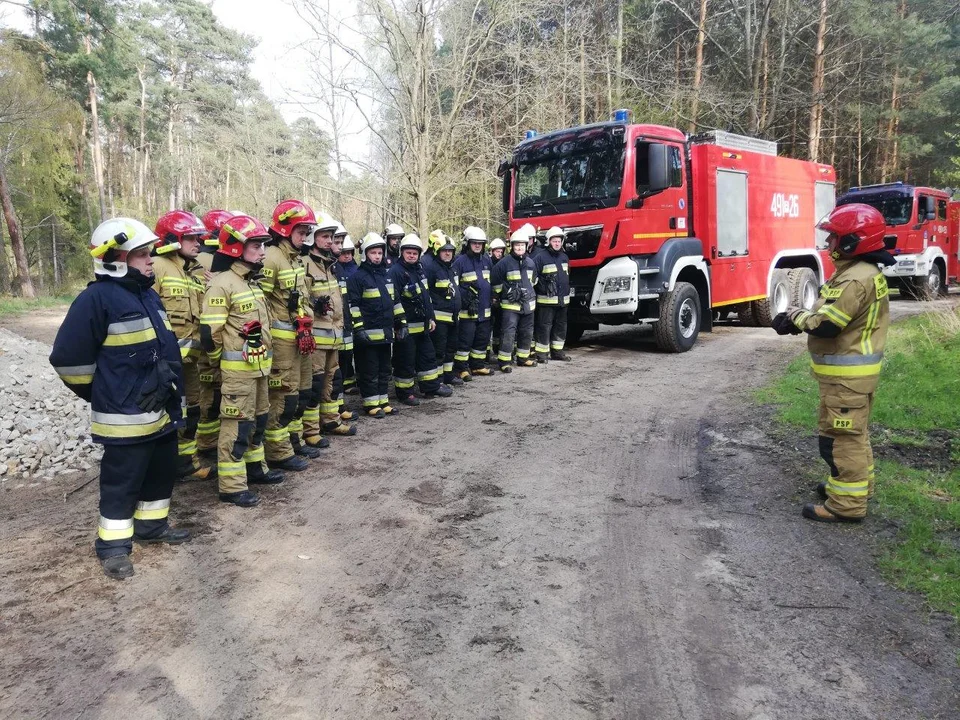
<point>44,428</point>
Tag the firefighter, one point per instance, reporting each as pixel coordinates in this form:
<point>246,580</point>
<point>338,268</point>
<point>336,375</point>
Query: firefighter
<point>235,333</point>
<point>513,281</point>
<point>291,327</point>
<point>533,248</point>
<point>393,234</point>
<point>345,267</point>
<point>340,236</point>
<point>445,296</point>
<point>116,350</point>
<point>323,408</point>
<point>497,249</point>
<point>414,356</point>
<point>377,318</point>
<point>847,330</point>
<point>553,297</point>
<point>174,267</point>
<point>208,425</point>
<point>472,269</point>
<point>435,240</point>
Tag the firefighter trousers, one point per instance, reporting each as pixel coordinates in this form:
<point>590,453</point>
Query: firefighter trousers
<point>209,423</point>
<point>323,408</point>
<point>346,368</point>
<point>550,328</point>
<point>516,329</point>
<point>289,373</point>
<point>373,374</point>
<point>444,339</point>
<point>414,361</point>
<point>244,408</point>
<point>472,338</point>
<point>187,435</point>
<point>843,426</point>
<point>136,482</point>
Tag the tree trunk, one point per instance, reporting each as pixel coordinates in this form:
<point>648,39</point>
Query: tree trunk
<point>698,67</point>
<point>4,266</point>
<point>142,147</point>
<point>583,81</point>
<point>816,106</point>
<point>95,151</point>
<point>619,66</point>
<point>16,239</point>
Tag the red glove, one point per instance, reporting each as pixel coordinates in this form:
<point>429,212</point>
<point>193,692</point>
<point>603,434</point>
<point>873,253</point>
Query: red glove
<point>253,349</point>
<point>305,342</point>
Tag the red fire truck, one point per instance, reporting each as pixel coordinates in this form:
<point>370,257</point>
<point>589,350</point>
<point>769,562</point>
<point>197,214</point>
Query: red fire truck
<point>923,234</point>
<point>666,229</point>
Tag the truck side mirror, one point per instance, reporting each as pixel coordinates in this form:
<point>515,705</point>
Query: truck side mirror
<point>658,168</point>
<point>507,190</point>
<point>929,209</point>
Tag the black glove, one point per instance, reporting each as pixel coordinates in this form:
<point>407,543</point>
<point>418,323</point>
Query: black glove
<point>400,332</point>
<point>471,299</point>
<point>511,293</point>
<point>159,387</point>
<point>293,302</point>
<point>783,324</point>
<point>323,305</point>
<point>361,337</point>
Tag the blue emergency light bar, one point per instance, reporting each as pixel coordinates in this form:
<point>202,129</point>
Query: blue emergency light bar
<point>530,134</point>
<point>622,115</point>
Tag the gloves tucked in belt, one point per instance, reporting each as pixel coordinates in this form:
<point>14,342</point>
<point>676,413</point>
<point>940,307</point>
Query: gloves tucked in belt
<point>160,386</point>
<point>253,349</point>
<point>400,331</point>
<point>471,298</point>
<point>304,327</point>
<point>323,305</point>
<point>783,324</point>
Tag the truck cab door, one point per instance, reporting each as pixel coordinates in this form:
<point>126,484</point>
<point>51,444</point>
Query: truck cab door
<point>661,196</point>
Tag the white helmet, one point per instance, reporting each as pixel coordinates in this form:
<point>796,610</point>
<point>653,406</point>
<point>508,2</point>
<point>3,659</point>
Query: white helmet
<point>498,244</point>
<point>341,231</point>
<point>113,239</point>
<point>555,231</point>
<point>520,237</point>
<point>347,245</point>
<point>371,240</point>
<point>393,230</point>
<point>324,222</point>
<point>529,230</point>
<point>411,241</point>
<point>474,234</point>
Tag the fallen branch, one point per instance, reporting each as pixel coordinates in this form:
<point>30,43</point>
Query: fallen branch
<point>79,487</point>
<point>70,585</point>
<point>812,607</point>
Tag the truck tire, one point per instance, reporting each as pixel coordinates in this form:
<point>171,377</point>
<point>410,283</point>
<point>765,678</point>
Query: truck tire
<point>679,323</point>
<point>776,302</point>
<point>746,315</point>
<point>804,288</point>
<point>574,333</point>
<point>929,288</point>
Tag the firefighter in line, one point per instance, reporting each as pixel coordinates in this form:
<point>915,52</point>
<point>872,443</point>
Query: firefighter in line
<point>393,234</point>
<point>445,296</point>
<point>497,249</point>
<point>116,350</point>
<point>291,326</point>
<point>553,297</point>
<point>378,317</point>
<point>513,281</point>
<point>346,266</point>
<point>533,248</point>
<point>235,333</point>
<point>847,329</point>
<point>174,265</point>
<point>340,236</point>
<point>323,408</point>
<point>208,425</point>
<point>472,269</point>
<point>414,355</point>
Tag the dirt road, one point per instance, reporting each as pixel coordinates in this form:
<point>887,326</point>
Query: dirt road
<point>610,538</point>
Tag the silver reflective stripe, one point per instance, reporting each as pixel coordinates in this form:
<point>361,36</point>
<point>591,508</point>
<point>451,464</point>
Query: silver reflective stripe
<point>120,419</point>
<point>281,325</point>
<point>108,524</point>
<point>324,332</point>
<point>846,359</point>
<point>154,505</point>
<point>415,326</point>
<point>118,328</point>
<point>238,355</point>
<point>76,369</point>
<point>188,343</point>
<point>163,315</point>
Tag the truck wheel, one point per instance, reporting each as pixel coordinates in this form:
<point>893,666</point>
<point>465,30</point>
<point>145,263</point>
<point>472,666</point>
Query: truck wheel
<point>574,333</point>
<point>776,302</point>
<point>746,315</point>
<point>929,288</point>
<point>804,288</point>
<point>679,323</point>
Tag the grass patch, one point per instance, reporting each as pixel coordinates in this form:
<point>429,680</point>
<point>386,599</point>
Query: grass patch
<point>915,431</point>
<point>12,305</point>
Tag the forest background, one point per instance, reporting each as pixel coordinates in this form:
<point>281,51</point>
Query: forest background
<point>135,107</point>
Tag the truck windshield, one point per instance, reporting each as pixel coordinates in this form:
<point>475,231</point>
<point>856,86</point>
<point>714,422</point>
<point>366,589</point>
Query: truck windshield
<point>897,208</point>
<point>565,173</point>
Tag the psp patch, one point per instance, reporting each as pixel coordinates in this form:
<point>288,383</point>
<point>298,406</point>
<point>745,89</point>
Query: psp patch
<point>842,424</point>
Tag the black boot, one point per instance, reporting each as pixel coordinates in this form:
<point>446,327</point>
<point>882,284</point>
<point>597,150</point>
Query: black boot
<point>542,358</point>
<point>822,490</point>
<point>244,498</point>
<point>292,463</point>
<point>560,355</point>
<point>304,450</point>
<point>442,391</point>
<point>117,567</point>
<point>256,475</point>
<point>170,536</point>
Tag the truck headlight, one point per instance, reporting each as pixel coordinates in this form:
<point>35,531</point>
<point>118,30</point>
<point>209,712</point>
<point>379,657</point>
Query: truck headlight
<point>621,283</point>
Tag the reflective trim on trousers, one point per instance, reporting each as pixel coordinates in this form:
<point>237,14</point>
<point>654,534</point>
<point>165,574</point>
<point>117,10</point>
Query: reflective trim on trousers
<point>372,401</point>
<point>556,344</point>
<point>115,529</point>
<point>277,435</point>
<point>152,510</point>
<point>187,448</point>
<point>403,383</point>
<point>254,455</point>
<point>855,489</point>
<point>541,348</point>
<point>232,468</point>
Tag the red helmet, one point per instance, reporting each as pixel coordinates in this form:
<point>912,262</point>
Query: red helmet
<point>290,213</point>
<point>238,230</point>
<point>213,221</point>
<point>173,226</point>
<point>859,229</point>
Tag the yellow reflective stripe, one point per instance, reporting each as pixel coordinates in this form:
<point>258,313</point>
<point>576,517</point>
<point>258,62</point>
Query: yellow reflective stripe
<point>854,489</point>
<point>513,275</point>
<point>469,276</point>
<point>213,318</point>
<point>152,510</point>
<point>231,468</point>
<point>846,370</point>
<point>547,300</point>
<point>376,334</point>
<point>277,435</point>
<point>254,455</point>
<point>370,293</point>
<point>398,309</point>
<point>115,529</point>
<point>835,316</point>
<point>866,337</point>
<point>130,338</point>
<point>283,334</point>
<point>442,284</point>
<point>214,355</point>
<point>547,269</point>
<point>244,366</point>
<point>443,316</point>
<point>510,306</point>
<point>118,425</point>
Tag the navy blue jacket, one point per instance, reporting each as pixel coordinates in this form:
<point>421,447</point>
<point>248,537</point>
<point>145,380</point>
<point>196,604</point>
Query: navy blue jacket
<point>475,270</point>
<point>374,303</point>
<point>411,282</point>
<point>343,271</point>
<point>444,291</point>
<point>553,274</point>
<point>106,352</point>
<point>516,275</point>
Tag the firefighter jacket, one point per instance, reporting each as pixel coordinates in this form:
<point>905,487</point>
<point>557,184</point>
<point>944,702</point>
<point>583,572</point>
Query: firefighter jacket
<point>513,280</point>
<point>324,285</point>
<point>848,326</point>
<point>234,299</point>
<point>473,271</point>
<point>284,275</point>
<point>553,277</point>
<point>375,306</point>
<point>343,272</point>
<point>182,297</point>
<point>107,352</point>
<point>414,290</point>
<point>444,291</point>
<point>427,260</point>
<point>205,261</point>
